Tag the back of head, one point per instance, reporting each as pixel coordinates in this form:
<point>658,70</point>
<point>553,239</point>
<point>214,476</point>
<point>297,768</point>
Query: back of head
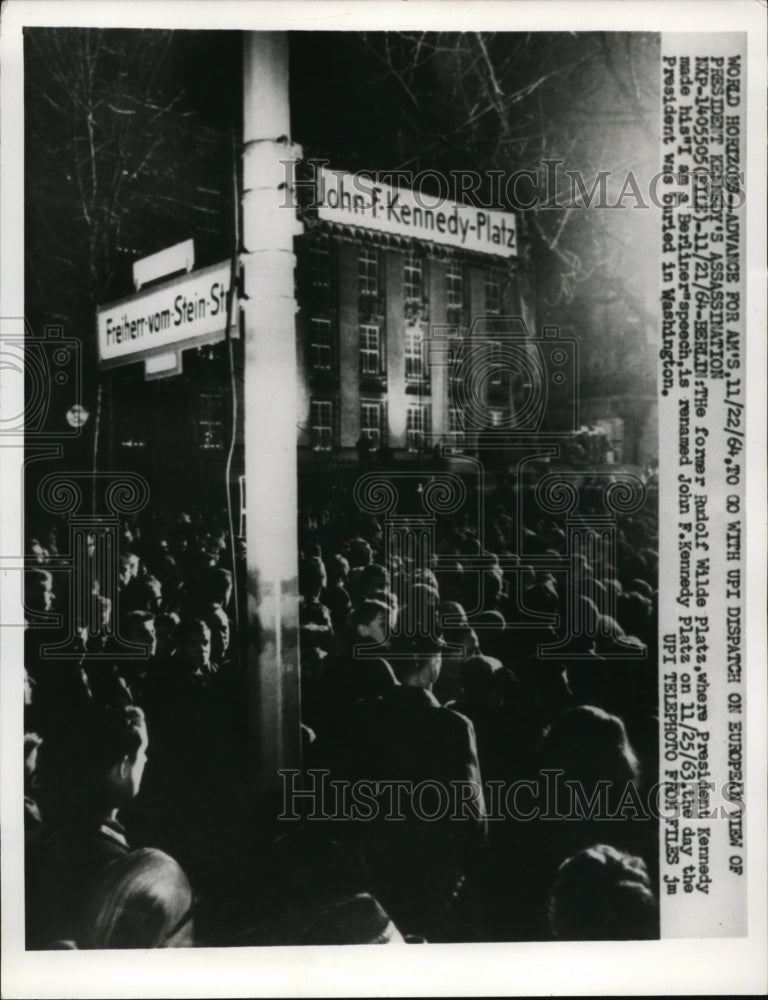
<point>216,585</point>
<point>541,598</point>
<point>149,593</point>
<point>590,744</point>
<point>137,626</point>
<point>303,878</point>
<point>450,579</point>
<point>589,679</point>
<point>75,778</point>
<point>425,578</point>
<point>312,577</point>
<point>337,568</point>
<point>602,894</point>
<point>363,678</point>
<point>480,677</point>
<point>367,611</point>
<point>373,578</point>
<point>359,919</point>
<point>359,553</point>
<point>491,632</point>
<point>416,659</point>
<point>492,581</point>
<point>142,900</point>
<point>453,615</point>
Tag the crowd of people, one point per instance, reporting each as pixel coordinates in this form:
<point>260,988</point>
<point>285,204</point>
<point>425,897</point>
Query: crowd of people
<point>460,782</point>
<point>146,696</point>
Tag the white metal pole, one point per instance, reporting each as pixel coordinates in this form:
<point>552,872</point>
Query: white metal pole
<point>270,411</point>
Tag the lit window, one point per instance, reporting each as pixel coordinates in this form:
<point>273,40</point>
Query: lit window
<point>495,363</point>
<point>370,423</point>
<point>210,421</point>
<point>414,359</point>
<point>320,344</point>
<point>370,350</point>
<point>456,424</point>
<point>320,265</point>
<point>454,359</point>
<point>368,272</point>
<point>497,417</point>
<point>454,287</point>
<point>321,419</point>
<point>492,295</point>
<point>413,278</point>
<point>417,426</point>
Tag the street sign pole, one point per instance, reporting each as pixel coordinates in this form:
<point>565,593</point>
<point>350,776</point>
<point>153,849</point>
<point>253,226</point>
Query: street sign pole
<point>269,310</point>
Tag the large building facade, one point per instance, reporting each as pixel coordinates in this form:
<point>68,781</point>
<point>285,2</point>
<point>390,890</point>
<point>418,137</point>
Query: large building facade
<point>379,319</point>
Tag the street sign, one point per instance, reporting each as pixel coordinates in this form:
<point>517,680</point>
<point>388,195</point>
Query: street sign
<point>358,200</point>
<point>186,311</point>
<point>180,257</point>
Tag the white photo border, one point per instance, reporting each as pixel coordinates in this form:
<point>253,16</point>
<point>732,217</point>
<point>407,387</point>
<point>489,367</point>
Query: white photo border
<point>660,967</point>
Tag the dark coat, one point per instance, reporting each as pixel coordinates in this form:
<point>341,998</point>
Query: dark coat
<point>421,859</point>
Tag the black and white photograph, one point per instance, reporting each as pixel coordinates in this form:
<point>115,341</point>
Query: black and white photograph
<point>383,498</point>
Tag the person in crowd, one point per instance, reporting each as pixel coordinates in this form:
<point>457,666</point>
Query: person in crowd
<point>131,595</point>
<point>352,672</point>
<point>374,579</point>
<point>312,613</point>
<point>32,820</point>
<point>359,554</point>
<point>590,746</point>
<point>138,673</point>
<point>405,735</point>
<point>603,894</point>
<point>461,643</point>
<point>86,776</point>
<point>192,663</point>
<point>142,900</point>
<point>218,624</point>
<point>490,699</point>
<point>210,591</point>
<point>482,696</point>
<point>166,626</point>
<point>38,591</point>
<point>334,595</point>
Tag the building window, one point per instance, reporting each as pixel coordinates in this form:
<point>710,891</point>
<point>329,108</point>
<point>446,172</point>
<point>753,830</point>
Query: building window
<point>455,358</point>
<point>417,426</point>
<point>492,295</point>
<point>495,363</point>
<point>454,287</point>
<point>370,350</point>
<point>370,423</point>
<point>456,426</point>
<point>368,272</point>
<point>413,278</point>
<point>320,344</point>
<point>498,416</point>
<point>414,357</point>
<point>321,420</point>
<point>210,421</point>
<point>320,265</point>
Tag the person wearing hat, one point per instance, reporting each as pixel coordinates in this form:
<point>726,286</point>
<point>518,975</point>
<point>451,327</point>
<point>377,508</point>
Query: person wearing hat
<point>352,672</point>
<point>430,824</point>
